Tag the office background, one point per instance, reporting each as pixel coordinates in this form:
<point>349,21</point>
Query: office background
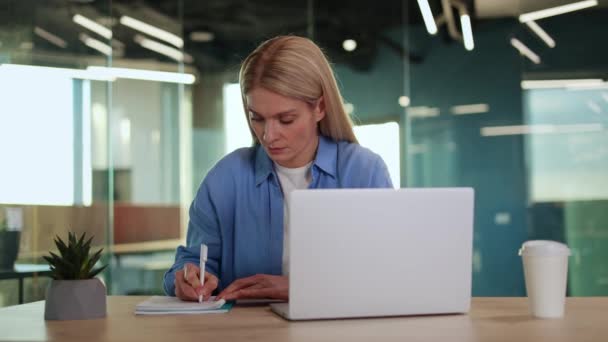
<point>92,143</point>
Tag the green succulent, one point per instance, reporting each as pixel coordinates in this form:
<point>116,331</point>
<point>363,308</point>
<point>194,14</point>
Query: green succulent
<point>74,262</point>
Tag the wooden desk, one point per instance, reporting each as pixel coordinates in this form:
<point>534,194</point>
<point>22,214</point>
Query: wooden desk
<point>491,319</point>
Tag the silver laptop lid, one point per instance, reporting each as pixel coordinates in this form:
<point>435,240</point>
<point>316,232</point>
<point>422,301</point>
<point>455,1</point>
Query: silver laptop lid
<point>380,252</point>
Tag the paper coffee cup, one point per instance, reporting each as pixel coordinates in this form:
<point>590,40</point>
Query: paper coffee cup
<point>546,272</point>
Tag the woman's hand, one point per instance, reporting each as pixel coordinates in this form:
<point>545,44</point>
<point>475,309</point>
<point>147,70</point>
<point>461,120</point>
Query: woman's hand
<point>188,285</point>
<point>258,286</point>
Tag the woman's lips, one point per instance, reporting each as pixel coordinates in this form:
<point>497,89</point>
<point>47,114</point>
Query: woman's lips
<point>276,150</point>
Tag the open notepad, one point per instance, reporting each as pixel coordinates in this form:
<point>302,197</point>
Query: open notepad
<point>164,305</point>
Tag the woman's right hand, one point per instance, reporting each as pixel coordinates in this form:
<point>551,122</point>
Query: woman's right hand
<point>188,285</point>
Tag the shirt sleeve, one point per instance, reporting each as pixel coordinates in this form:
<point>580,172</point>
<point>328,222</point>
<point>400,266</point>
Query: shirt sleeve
<point>203,227</point>
<point>380,177</point>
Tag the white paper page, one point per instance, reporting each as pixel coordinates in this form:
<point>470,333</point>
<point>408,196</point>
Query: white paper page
<point>174,305</point>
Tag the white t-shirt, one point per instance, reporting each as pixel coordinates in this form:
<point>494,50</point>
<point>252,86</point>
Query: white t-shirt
<point>290,179</point>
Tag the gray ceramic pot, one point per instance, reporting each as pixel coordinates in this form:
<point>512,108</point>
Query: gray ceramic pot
<point>75,299</point>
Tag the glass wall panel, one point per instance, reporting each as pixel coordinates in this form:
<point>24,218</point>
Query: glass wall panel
<point>565,106</point>
<point>50,106</point>
<point>531,149</point>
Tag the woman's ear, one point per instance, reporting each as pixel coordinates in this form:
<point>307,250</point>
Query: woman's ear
<point>320,109</point>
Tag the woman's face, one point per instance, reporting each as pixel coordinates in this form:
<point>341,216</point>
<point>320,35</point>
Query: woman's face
<point>286,127</point>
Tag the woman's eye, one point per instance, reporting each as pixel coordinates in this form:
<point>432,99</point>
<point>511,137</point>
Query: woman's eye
<point>286,122</point>
<point>255,118</point>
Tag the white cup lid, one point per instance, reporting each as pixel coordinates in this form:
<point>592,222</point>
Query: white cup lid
<point>544,248</point>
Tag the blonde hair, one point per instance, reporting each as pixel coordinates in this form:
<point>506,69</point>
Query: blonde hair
<point>296,67</point>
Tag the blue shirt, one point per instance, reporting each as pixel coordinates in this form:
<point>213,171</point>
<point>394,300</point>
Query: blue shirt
<point>238,209</point>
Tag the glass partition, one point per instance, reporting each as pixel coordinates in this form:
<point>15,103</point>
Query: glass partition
<point>50,111</point>
<point>520,118</point>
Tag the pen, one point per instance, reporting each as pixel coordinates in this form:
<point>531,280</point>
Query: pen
<point>202,261</point>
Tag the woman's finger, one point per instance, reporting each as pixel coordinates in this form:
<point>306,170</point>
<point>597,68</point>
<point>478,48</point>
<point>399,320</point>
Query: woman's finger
<point>239,284</point>
<point>183,290</point>
<point>249,293</point>
<point>211,283</point>
<point>191,275</point>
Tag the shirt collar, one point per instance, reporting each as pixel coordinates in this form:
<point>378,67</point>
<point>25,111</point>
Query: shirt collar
<point>325,160</point>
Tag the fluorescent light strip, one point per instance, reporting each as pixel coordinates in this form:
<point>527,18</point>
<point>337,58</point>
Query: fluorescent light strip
<point>573,83</point>
<point>152,31</point>
<point>549,12</point>
<point>467,32</point>
<point>162,49</point>
<point>422,112</point>
<point>99,73</point>
<point>539,129</point>
<point>25,70</point>
<point>93,26</point>
<point>201,36</point>
<point>524,50</point>
<point>96,44</point>
<point>470,109</point>
<point>427,15</point>
<point>544,36</point>
<point>51,38</point>
<point>145,75</point>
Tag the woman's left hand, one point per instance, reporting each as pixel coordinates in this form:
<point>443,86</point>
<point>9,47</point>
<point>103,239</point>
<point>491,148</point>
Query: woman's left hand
<point>257,286</point>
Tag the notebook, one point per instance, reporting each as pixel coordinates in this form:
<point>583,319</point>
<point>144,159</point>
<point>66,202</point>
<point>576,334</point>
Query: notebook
<point>165,305</point>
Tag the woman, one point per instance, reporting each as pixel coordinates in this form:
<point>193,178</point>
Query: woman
<point>302,139</point>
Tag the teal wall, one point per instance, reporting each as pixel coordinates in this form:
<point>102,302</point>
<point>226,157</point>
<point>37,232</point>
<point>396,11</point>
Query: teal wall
<point>493,166</point>
<point>448,150</point>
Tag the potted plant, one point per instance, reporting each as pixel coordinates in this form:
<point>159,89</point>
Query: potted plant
<point>74,292</point>
<point>9,246</point>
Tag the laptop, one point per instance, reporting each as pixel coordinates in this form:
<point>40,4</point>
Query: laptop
<point>379,252</point>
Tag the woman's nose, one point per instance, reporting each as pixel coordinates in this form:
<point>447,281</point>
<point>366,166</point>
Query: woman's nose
<point>270,132</point>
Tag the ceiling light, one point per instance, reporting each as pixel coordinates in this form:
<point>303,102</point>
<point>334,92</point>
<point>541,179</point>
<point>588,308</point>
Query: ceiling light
<point>549,12</point>
<point>100,73</point>
<point>422,112</point>
<point>144,75</point>
<point>92,26</point>
<point>152,31</point>
<point>467,32</point>
<point>51,38</point>
<point>470,109</point>
<point>349,108</point>
<point>201,36</point>
<point>404,101</point>
<point>524,50</point>
<point>27,45</point>
<point>427,16</point>
<point>163,49</point>
<point>24,70</point>
<point>571,83</point>
<point>539,129</point>
<point>96,44</point>
<point>544,36</point>
<point>349,45</point>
